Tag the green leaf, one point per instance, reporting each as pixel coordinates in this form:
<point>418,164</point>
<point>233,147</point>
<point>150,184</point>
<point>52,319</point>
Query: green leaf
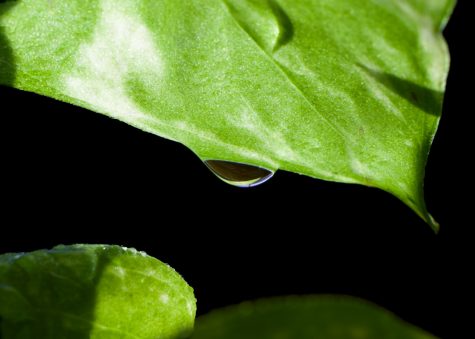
<point>310,317</point>
<point>92,291</point>
<point>341,90</point>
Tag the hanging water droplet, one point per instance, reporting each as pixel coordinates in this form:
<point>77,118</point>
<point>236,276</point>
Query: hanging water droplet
<point>237,174</point>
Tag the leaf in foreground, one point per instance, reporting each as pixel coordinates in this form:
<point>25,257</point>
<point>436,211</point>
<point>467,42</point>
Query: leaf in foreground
<point>341,90</point>
<point>310,317</point>
<point>92,291</point>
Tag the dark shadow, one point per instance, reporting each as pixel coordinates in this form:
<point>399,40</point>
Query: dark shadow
<point>428,100</point>
<point>7,65</point>
<point>286,29</point>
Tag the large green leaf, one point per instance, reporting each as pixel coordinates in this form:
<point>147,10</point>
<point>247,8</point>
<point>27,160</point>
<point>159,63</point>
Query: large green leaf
<point>92,291</point>
<point>342,90</point>
<point>311,317</point>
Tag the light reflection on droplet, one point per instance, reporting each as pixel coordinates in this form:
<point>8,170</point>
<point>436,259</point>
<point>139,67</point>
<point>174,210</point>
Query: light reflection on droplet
<point>237,174</point>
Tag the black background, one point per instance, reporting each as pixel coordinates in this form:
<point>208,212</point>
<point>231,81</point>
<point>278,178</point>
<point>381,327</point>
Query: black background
<point>71,176</point>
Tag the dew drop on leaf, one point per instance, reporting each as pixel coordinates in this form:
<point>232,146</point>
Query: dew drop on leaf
<point>237,174</point>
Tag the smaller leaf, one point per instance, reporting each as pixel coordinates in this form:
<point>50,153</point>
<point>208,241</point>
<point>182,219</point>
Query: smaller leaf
<point>92,291</point>
<point>309,317</point>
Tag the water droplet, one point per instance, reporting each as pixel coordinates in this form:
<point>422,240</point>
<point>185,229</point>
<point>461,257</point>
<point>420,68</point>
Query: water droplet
<point>237,174</point>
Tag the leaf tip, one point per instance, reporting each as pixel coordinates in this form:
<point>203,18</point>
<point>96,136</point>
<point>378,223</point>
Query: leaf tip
<point>433,223</point>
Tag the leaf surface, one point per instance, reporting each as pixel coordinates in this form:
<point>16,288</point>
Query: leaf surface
<point>342,90</point>
<point>309,317</point>
<point>92,291</point>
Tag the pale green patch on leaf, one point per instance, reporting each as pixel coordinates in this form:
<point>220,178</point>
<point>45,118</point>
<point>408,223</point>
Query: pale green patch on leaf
<point>92,291</point>
<point>309,317</point>
<point>341,90</point>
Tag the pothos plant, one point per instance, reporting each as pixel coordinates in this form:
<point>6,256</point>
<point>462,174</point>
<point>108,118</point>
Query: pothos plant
<point>341,90</point>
